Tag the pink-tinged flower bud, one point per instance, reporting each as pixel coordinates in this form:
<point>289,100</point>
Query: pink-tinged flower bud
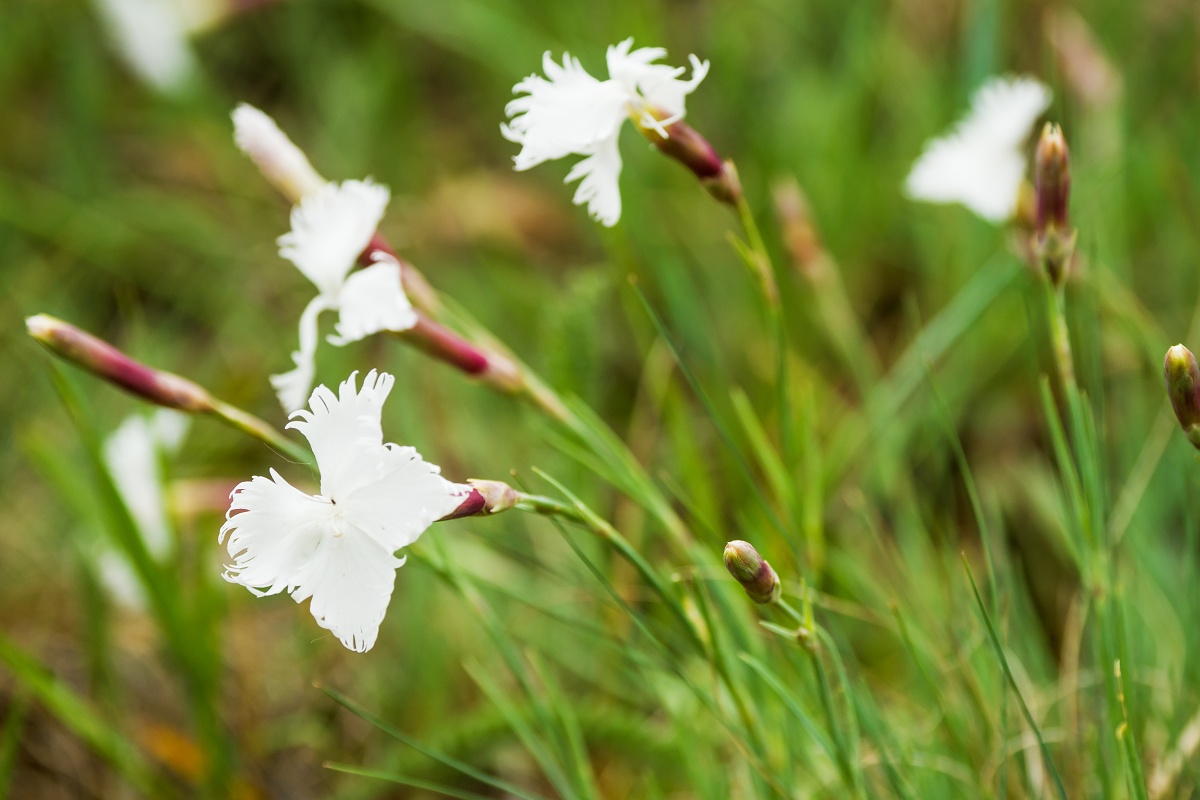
<point>1053,176</point>
<point>104,360</point>
<point>1054,241</point>
<point>752,571</point>
<point>681,142</point>
<point>1182,376</point>
<point>485,498</point>
<point>487,365</point>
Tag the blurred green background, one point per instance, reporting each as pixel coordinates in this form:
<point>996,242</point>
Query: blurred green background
<point>129,212</point>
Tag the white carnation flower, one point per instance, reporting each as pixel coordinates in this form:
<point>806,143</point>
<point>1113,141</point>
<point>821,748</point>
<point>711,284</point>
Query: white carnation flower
<point>330,228</point>
<point>980,163</point>
<point>337,547</point>
<point>568,112</point>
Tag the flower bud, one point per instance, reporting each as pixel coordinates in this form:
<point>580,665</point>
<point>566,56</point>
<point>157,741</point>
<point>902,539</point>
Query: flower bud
<point>752,571</point>
<point>1054,241</point>
<point>681,142</point>
<point>104,360</point>
<point>279,160</point>
<point>489,366</point>
<point>1182,376</point>
<point>485,498</point>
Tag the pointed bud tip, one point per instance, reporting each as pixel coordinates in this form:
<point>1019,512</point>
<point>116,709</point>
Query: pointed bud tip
<point>742,560</point>
<point>41,326</point>
<point>1182,376</point>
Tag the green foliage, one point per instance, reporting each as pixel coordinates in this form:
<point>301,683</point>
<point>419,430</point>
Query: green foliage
<point>872,430</point>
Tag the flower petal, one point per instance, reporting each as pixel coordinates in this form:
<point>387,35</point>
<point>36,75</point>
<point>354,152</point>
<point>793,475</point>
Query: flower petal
<point>566,112</point>
<point>271,531</point>
<point>345,434</point>
<point>659,84</point>
<point>407,498</point>
<point>132,455</point>
<point>293,387</point>
<point>330,228</point>
<point>372,300</point>
<point>600,187</point>
<point>350,579</point>
<point>957,170</point>
<point>153,37</point>
<point>980,162</point>
<point>1003,111</point>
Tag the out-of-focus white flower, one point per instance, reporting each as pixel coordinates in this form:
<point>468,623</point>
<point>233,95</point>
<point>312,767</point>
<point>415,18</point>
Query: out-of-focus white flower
<point>980,163</point>
<point>338,547</point>
<point>568,112</point>
<point>154,36</point>
<point>279,160</point>
<point>330,228</point>
<point>133,455</point>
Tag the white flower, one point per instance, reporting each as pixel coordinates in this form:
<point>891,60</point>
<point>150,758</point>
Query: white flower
<point>570,112</point>
<point>153,37</point>
<point>133,455</point>
<point>980,163</point>
<point>337,547</point>
<point>277,158</point>
<point>330,228</point>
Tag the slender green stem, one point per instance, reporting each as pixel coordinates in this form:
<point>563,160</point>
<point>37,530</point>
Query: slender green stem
<point>251,425</point>
<point>1060,335</point>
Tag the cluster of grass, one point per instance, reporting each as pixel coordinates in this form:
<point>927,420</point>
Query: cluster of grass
<point>994,574</point>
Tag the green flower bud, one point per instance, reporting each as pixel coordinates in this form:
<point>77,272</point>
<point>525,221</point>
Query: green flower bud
<point>1182,376</point>
<point>752,571</point>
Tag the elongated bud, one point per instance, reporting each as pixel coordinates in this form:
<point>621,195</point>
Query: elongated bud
<point>104,360</point>
<point>485,364</point>
<point>752,571</point>
<point>1182,376</point>
<point>800,235</point>
<point>279,160</point>
<point>1053,175</point>
<point>681,142</point>
<point>1054,241</point>
<point>486,498</point>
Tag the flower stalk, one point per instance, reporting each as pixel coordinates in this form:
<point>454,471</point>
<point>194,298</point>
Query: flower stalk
<point>154,386</point>
<point>818,269</point>
<point>1053,241</point>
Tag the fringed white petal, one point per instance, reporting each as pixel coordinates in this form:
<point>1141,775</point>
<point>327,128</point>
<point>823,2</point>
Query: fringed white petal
<point>985,180</point>
<point>279,160</point>
<point>600,185</point>
<point>409,496</point>
<point>980,163</point>
<point>372,300</point>
<point>659,85</point>
<point>292,387</point>
<point>272,530</point>
<point>1003,111</point>
<point>153,38</point>
<point>345,434</point>
<point>566,112</point>
<point>350,579</point>
<point>331,228</point>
